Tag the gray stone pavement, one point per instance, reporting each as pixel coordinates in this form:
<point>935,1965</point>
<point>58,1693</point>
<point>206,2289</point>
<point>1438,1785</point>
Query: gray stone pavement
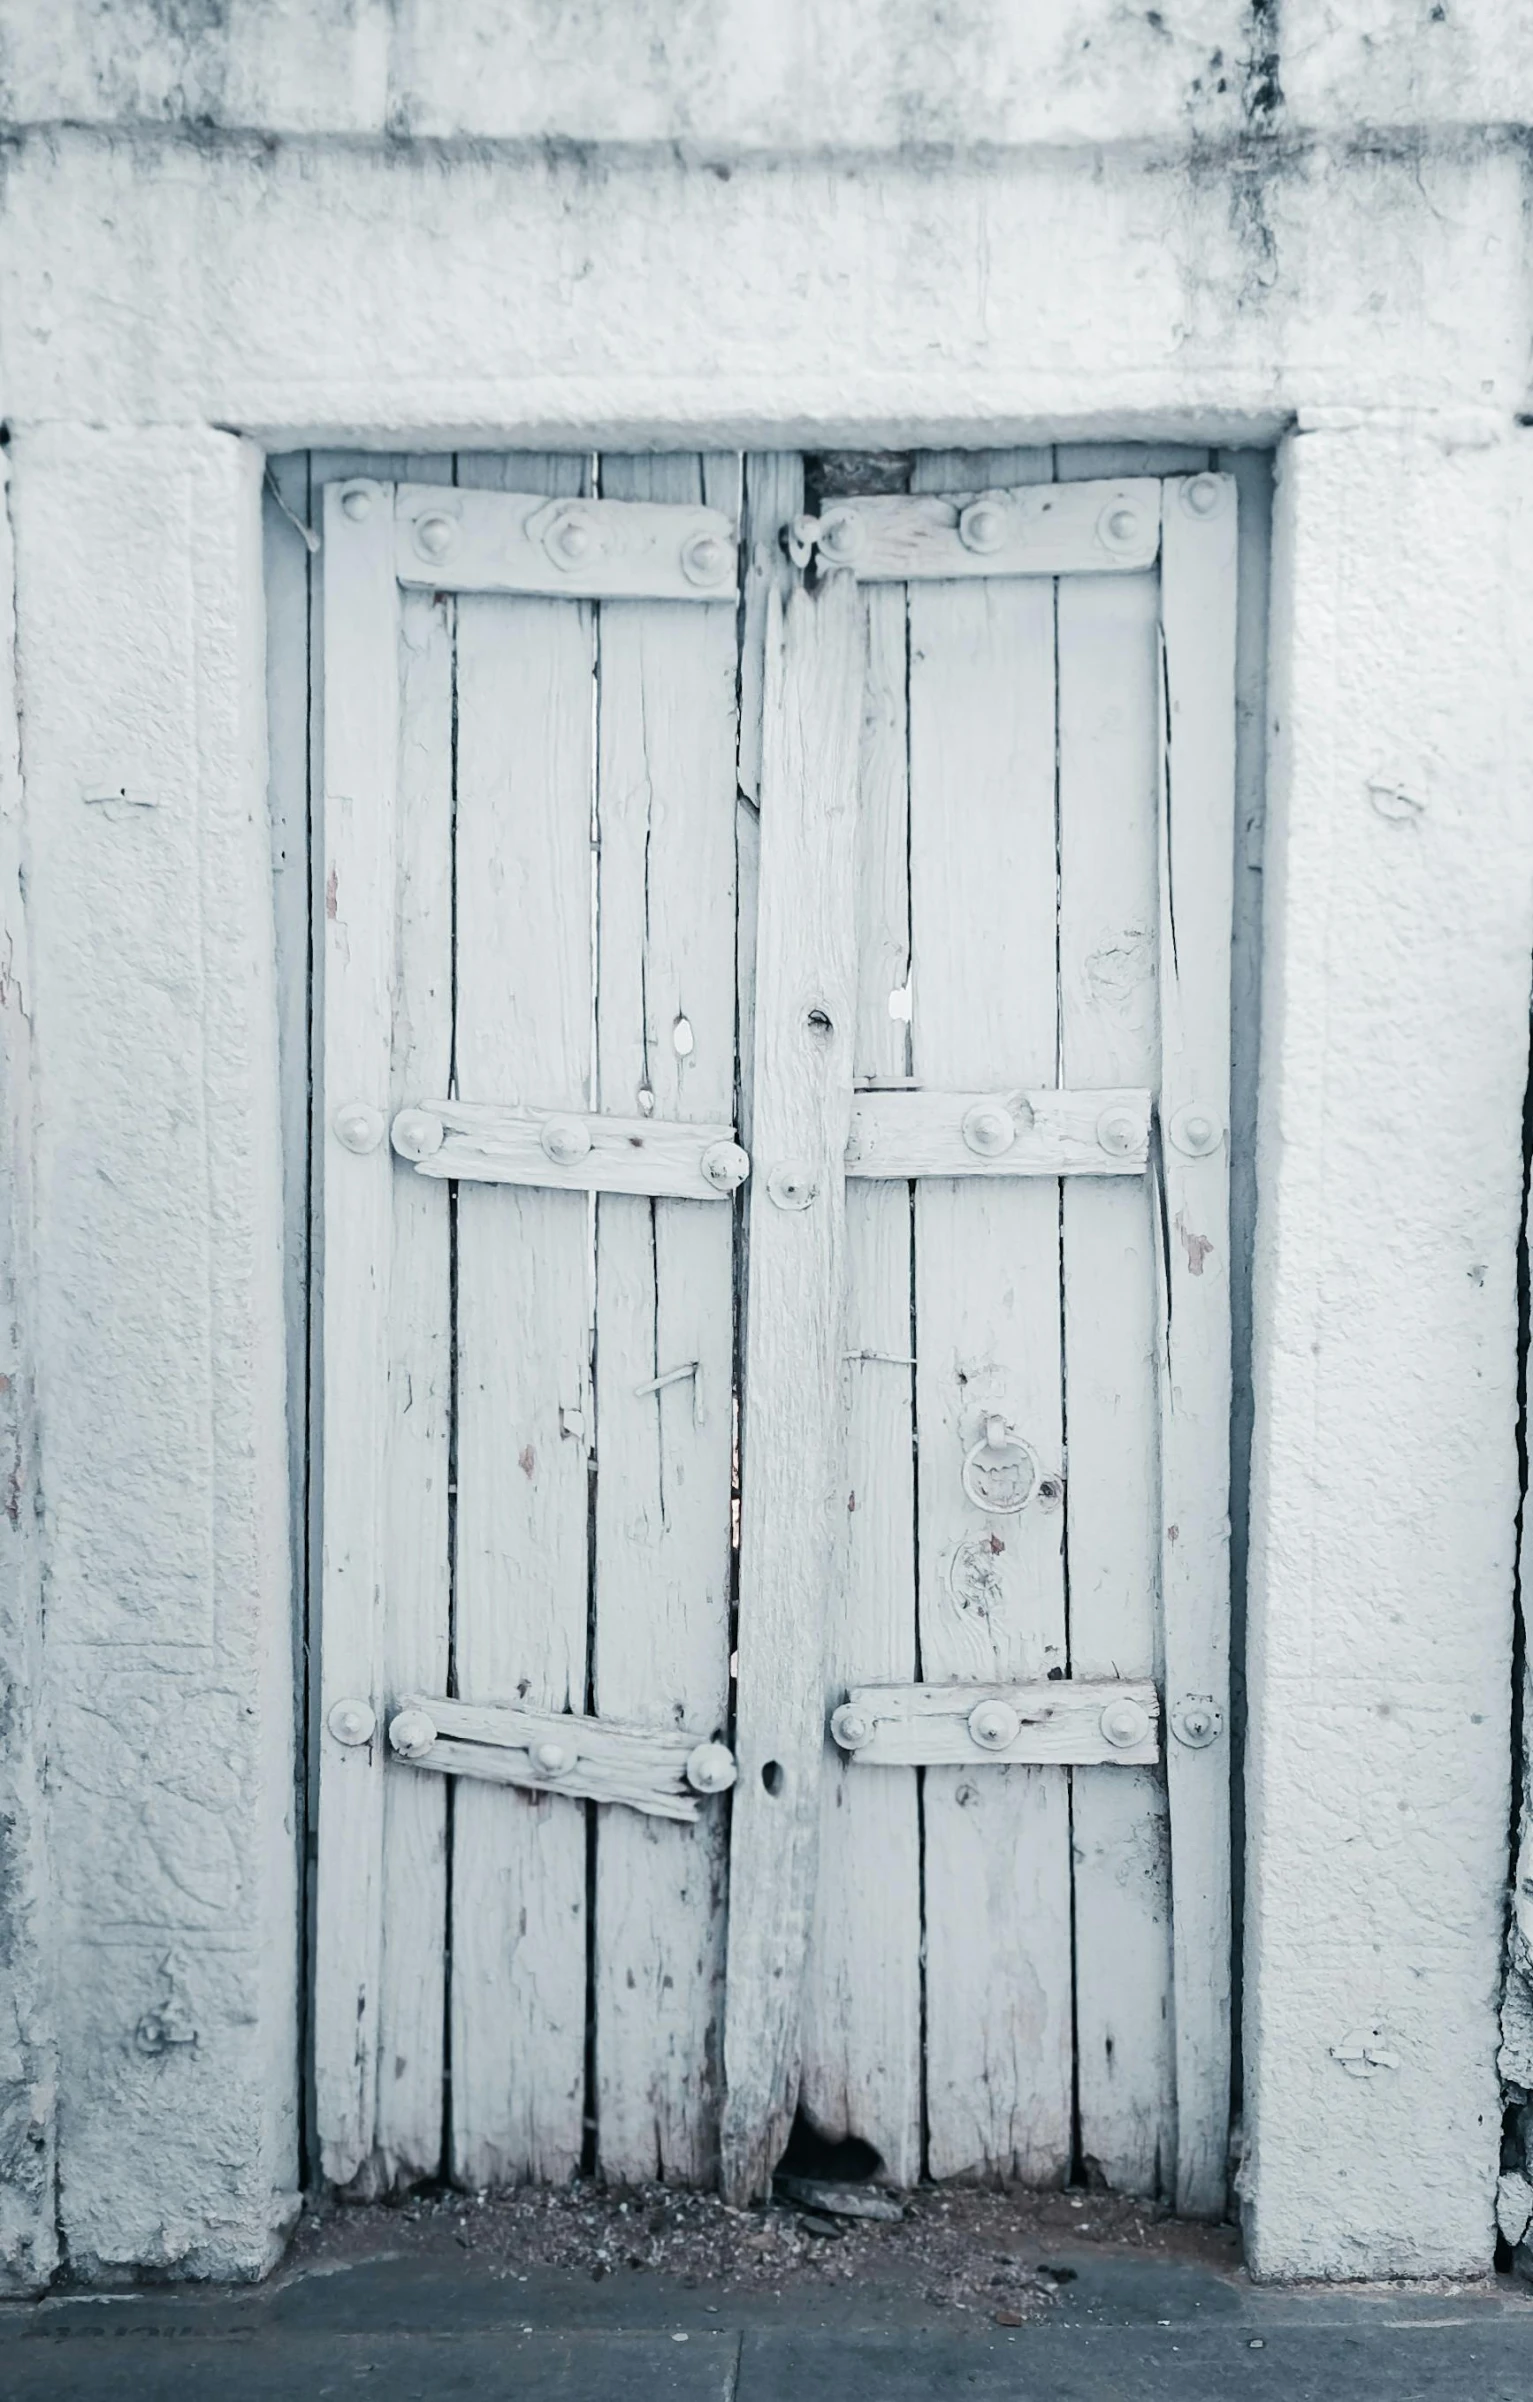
<point>1127,2329</point>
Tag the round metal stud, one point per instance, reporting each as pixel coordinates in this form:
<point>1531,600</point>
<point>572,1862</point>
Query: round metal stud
<point>1118,526</point>
<point>711,1768</point>
<point>411,1734</point>
<point>1001,1472</point>
<point>1201,497</point>
<point>357,1126</point>
<point>1125,1722</point>
<point>1197,1721</point>
<point>725,1166</point>
<point>356,504</point>
<point>564,1140</point>
<point>1119,1132</point>
<point>840,538</point>
<point>994,1724</point>
<point>352,1721</point>
<point>704,558</point>
<point>570,540</point>
<point>551,1759</point>
<point>851,1727</point>
<point>416,1134</point>
<point>792,1184</point>
<point>1196,1130</point>
<point>434,536</point>
<point>983,525</point>
<point>989,1129</point>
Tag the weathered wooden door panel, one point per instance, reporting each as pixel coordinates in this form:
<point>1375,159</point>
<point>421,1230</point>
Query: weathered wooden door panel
<point>916,1456</point>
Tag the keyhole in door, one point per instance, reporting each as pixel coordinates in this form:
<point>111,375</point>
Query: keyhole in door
<point>683,1038</point>
<point>772,1776</point>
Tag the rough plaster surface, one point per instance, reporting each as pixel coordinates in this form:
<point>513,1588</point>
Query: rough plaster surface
<point>1384,1476</point>
<point>159,1332</point>
<point>409,224</point>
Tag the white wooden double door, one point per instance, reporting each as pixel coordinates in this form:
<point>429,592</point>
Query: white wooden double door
<point>771,1081</point>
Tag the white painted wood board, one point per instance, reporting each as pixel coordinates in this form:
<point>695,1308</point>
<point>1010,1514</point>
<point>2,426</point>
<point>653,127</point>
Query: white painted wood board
<point>1109,676</point>
<point>1062,1724</point>
<point>1197,795</point>
<point>600,1759</point>
<point>791,1433</point>
<point>665,824</point>
<point>524,774</point>
<point>565,548</point>
<point>991,1600</point>
<point>486,1144</point>
<point>862,2014</point>
<point>1041,529</point>
<point>1050,1133</point>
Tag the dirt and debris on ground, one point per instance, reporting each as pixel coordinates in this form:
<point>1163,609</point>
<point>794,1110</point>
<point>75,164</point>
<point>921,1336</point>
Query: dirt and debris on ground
<point>964,2249</point>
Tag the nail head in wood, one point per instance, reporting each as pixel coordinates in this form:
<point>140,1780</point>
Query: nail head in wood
<point>416,1134</point>
<point>982,526</point>
<point>994,1724</point>
<point>352,1721</point>
<point>357,504</point>
<point>705,559</point>
<point>989,1129</point>
<point>565,1140</point>
<point>411,1734</point>
<point>1124,1723</point>
<point>358,1127</point>
<point>792,1184</point>
<point>850,1727</point>
<point>711,1768</point>
<point>1201,495</point>
<point>433,536</point>
<point>1118,526</point>
<point>1197,1721</point>
<point>1196,1130</point>
<point>726,1166</point>
<point>551,1759</point>
<point>1119,1132</point>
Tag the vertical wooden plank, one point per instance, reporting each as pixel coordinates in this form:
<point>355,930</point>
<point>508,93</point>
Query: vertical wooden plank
<point>1109,675</point>
<point>664,1296</point>
<point>358,837</point>
<point>523,1032</point>
<point>1198,594</point>
<point>792,1465</point>
<point>862,2019</point>
<point>992,1600</point>
<point>418,1597</point>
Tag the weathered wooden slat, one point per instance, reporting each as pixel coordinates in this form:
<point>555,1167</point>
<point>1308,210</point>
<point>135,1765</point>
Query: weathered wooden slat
<point>664,1285</point>
<point>1063,1723</point>
<point>1109,675</point>
<point>655,1770</point>
<point>862,2018</point>
<point>992,1599</point>
<point>361,617</point>
<point>571,1151</point>
<point>1197,844</point>
<point>1018,530</point>
<point>567,548</point>
<point>791,1434</point>
<point>1051,1133</point>
<point>518,2005</point>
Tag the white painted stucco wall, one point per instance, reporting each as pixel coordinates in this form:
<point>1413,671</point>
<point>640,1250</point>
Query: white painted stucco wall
<point>502,222</point>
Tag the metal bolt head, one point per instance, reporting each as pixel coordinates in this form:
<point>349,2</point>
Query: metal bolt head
<point>711,1768</point>
<point>358,1127</point>
<point>416,1134</point>
<point>1120,1133</point>
<point>994,1725</point>
<point>352,1721</point>
<point>550,1759</point>
<point>569,541</point>
<point>1118,526</point>
<point>1197,1721</point>
<point>433,535</point>
<point>565,1140</point>
<point>840,538</point>
<point>705,558</point>
<point>983,525</point>
<point>411,1734</point>
<point>1125,1723</point>
<point>1196,1129</point>
<point>725,1166</point>
<point>989,1129</point>
<point>851,1727</point>
<point>1202,495</point>
<point>792,1184</point>
<point>357,505</point>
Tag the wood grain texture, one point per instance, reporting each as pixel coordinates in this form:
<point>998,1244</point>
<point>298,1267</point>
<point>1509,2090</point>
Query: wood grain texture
<point>992,1602</point>
<point>928,1725</point>
<point>357,959</point>
<point>664,1280</point>
<point>1042,529</point>
<point>523,875</point>
<point>862,2017</point>
<point>1109,1029</point>
<point>488,1145</point>
<point>791,1435</point>
<point>484,541</point>
<point>1198,592</point>
<point>909,1134</point>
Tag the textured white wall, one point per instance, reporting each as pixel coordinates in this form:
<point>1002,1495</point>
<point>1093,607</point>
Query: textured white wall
<point>405,222</point>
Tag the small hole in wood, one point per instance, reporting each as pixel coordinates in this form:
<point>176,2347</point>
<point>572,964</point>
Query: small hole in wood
<point>772,1776</point>
<point>682,1037</point>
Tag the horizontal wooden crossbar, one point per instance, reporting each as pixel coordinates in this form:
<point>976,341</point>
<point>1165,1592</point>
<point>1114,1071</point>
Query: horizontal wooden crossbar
<point>658,1771</point>
<point>1032,529</point>
<point>452,540</point>
<point>1052,1133</point>
<point>1058,1722</point>
<point>478,1142</point>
